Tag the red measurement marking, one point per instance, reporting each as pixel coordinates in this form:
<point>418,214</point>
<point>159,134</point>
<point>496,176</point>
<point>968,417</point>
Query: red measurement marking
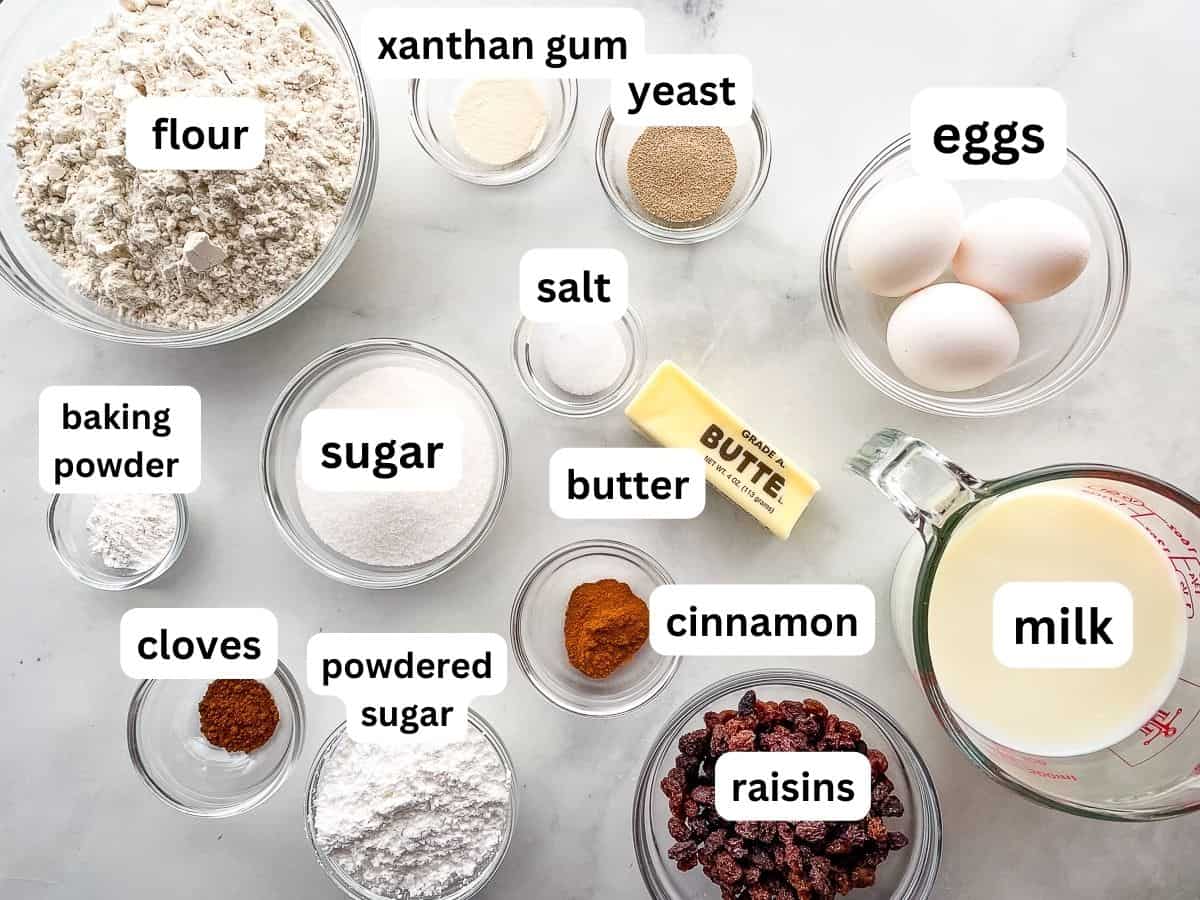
<point>1161,725</point>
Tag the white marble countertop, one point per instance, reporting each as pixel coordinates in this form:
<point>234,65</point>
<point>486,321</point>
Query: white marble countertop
<point>437,262</point>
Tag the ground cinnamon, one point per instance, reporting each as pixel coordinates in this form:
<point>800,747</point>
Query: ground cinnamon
<point>238,714</point>
<point>606,625</point>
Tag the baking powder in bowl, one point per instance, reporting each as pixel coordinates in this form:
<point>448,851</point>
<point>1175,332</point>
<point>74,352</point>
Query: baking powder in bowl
<point>405,529</point>
<point>413,821</point>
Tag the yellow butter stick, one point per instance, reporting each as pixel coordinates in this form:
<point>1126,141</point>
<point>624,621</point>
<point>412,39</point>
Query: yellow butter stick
<point>675,411</point>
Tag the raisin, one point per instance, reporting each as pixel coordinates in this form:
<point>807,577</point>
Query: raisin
<point>694,743</point>
<point>704,794</point>
<point>815,708</point>
<point>855,835</point>
<point>838,847</point>
<point>715,840</point>
<point>850,730</point>
<point>688,764</point>
<point>726,868</point>
<point>793,857</point>
<point>891,807</point>
<point>879,762</point>
<point>863,876</point>
<point>677,829</point>
<point>876,830</point>
<point>841,882</point>
<point>811,832</point>
<point>698,829</point>
<point>743,741</point>
<point>881,789</point>
<point>735,845</point>
<point>896,840</point>
<point>768,712</point>
<point>683,853</point>
<point>746,706</point>
<point>775,742</point>
<point>798,881</point>
<point>760,892</point>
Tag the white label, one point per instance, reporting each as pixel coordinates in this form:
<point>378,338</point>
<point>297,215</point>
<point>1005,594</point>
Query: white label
<point>793,787</point>
<point>95,439</point>
<point>390,450</point>
<point>407,688</point>
<point>195,133</point>
<point>501,43</point>
<point>626,483</point>
<point>199,643</point>
<point>1062,625</point>
<point>971,133</point>
<point>762,620</point>
<point>574,284</point>
<point>684,89</point>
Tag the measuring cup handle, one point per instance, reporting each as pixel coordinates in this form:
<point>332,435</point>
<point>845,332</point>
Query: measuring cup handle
<point>926,486</point>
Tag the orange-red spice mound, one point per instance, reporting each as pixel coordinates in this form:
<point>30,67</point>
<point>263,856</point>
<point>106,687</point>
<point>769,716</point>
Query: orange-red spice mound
<point>238,714</point>
<point>606,625</point>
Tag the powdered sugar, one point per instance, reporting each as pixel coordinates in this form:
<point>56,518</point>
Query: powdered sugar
<point>405,529</point>
<point>128,239</point>
<point>132,531</point>
<point>412,821</point>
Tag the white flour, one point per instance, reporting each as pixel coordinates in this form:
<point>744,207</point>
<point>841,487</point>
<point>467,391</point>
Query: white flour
<point>499,122</point>
<point>405,529</point>
<point>412,821</point>
<point>186,250</point>
<point>132,531</point>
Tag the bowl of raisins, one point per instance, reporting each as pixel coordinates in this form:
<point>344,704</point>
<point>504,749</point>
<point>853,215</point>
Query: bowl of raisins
<point>686,851</point>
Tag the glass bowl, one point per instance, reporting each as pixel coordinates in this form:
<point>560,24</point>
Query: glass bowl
<point>188,773</point>
<point>907,874</point>
<point>751,143</point>
<point>281,441</point>
<point>1061,336</point>
<point>541,387</point>
<point>66,525</point>
<point>431,115</point>
<point>359,892</point>
<point>537,629</point>
<point>30,34</point>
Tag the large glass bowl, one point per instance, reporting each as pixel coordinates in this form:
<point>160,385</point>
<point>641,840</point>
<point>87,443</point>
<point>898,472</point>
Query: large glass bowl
<point>356,891</point>
<point>31,30</point>
<point>1061,336</point>
<point>281,442</point>
<point>188,773</point>
<point>906,874</point>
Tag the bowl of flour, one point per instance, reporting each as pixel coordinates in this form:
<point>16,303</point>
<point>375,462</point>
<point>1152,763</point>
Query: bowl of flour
<point>178,258</point>
<point>381,539</point>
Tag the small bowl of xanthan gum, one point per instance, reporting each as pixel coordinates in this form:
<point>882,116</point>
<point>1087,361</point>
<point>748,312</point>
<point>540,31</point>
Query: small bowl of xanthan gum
<point>683,185</point>
<point>493,131</point>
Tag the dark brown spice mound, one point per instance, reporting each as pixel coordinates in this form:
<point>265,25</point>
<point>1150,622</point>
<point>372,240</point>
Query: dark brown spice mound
<point>776,860</point>
<point>238,714</point>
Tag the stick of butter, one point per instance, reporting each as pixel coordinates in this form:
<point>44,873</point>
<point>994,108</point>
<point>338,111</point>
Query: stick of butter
<point>675,411</point>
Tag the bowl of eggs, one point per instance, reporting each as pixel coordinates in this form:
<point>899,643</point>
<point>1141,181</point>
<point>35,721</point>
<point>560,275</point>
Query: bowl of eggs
<point>975,299</point>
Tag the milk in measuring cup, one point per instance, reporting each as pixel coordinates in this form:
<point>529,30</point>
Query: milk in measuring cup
<point>1044,533</point>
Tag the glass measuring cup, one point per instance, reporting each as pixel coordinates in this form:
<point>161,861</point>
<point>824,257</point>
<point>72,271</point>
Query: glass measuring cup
<point>1153,773</point>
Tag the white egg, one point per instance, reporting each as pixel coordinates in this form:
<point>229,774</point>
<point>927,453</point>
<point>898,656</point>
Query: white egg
<point>904,235</point>
<point>952,337</point>
<point>1022,249</point>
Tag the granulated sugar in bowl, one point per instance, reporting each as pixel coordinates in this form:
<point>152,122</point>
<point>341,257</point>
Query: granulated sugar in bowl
<point>386,539</point>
